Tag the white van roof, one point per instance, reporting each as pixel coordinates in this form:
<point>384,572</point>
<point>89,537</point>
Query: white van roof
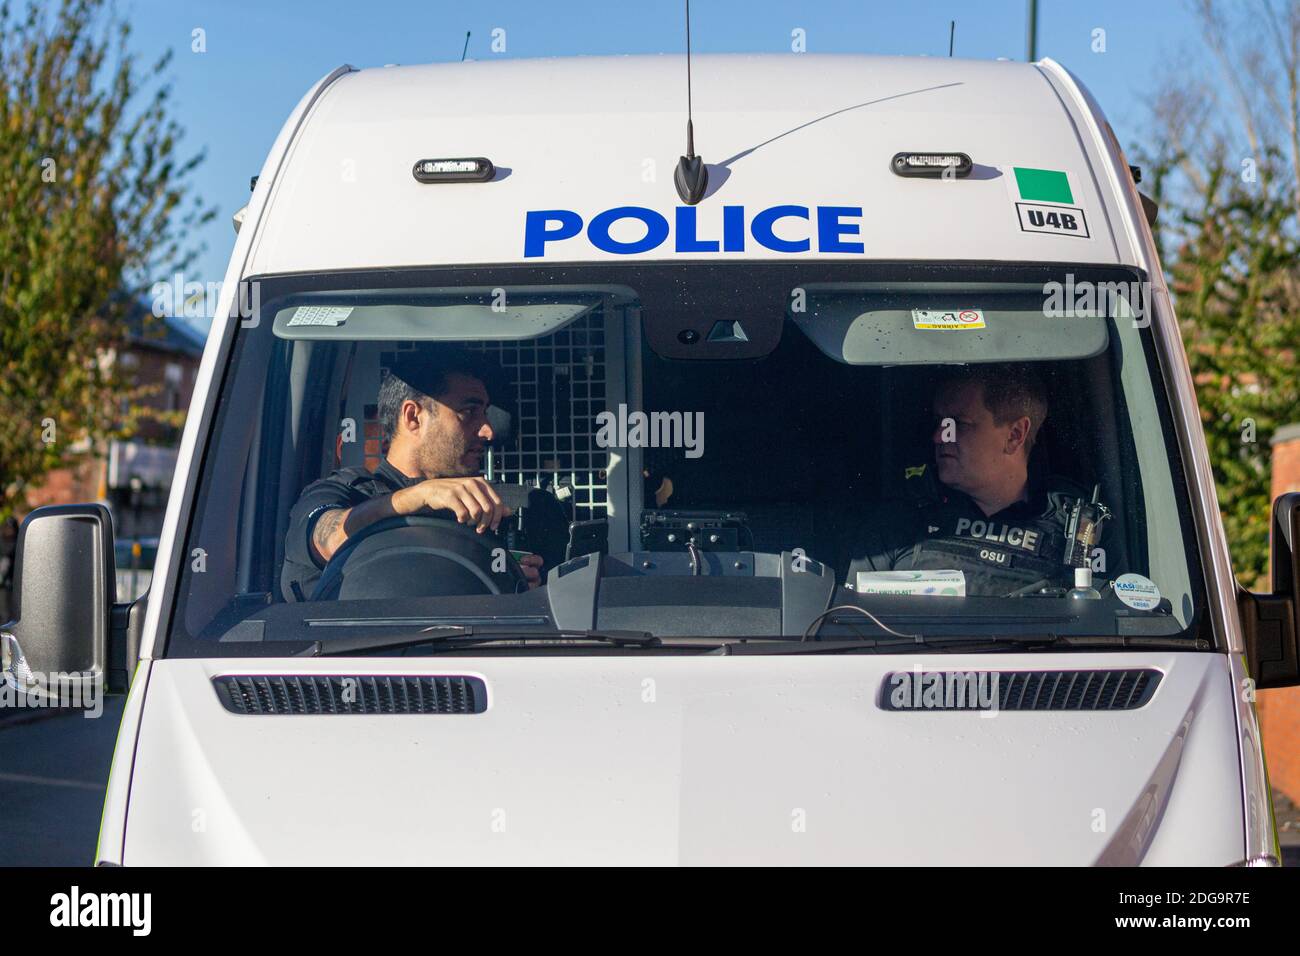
<point>590,134</point>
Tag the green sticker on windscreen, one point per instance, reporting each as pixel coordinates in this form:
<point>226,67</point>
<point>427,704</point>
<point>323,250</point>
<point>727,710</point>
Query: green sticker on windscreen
<point>1043,185</point>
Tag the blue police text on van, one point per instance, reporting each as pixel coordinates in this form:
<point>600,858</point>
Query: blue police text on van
<point>829,227</point>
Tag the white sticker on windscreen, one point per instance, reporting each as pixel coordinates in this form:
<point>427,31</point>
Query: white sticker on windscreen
<point>1137,592</point>
<point>948,320</point>
<point>332,315</point>
<point>951,583</point>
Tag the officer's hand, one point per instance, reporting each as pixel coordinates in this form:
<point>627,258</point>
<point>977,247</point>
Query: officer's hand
<point>472,500</point>
<point>532,568</point>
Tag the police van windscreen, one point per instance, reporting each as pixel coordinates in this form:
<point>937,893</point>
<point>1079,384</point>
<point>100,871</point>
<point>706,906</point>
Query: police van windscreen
<point>703,453</point>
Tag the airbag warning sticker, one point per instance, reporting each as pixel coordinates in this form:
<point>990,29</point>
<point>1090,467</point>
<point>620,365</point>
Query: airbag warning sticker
<point>1058,220</point>
<point>952,320</point>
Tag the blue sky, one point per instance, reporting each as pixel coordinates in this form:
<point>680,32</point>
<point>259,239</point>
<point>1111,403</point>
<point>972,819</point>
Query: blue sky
<point>262,56</point>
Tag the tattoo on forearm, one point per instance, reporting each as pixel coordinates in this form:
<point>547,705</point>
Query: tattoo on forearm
<point>325,527</point>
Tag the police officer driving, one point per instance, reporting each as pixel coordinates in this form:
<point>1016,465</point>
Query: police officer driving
<point>979,509</point>
<point>433,411</point>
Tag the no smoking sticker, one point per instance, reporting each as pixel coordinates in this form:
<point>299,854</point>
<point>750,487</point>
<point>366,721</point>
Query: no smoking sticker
<point>948,320</point>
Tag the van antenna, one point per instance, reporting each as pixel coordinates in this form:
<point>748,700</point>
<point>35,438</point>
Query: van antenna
<point>952,31</point>
<point>691,176</point>
<point>466,49</point>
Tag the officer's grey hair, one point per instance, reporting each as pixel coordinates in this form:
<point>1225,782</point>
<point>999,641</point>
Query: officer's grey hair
<point>1011,391</point>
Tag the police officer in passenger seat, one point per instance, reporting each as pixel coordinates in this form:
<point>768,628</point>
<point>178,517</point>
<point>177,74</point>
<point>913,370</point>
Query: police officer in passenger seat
<point>433,410</point>
<point>978,510</point>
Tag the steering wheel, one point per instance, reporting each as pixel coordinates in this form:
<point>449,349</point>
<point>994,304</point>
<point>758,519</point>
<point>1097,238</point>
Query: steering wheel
<point>418,556</point>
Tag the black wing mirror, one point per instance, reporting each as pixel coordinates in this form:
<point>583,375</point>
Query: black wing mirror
<point>1269,620</point>
<point>64,584</point>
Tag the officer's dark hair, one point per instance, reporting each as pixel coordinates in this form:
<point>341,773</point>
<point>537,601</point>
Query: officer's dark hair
<point>1010,390</point>
<point>430,369</point>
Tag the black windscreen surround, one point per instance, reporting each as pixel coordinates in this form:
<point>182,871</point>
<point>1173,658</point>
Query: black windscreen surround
<point>798,448</point>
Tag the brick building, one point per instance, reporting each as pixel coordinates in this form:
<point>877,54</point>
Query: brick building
<point>133,477</point>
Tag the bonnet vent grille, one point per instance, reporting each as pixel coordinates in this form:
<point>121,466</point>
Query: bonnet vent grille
<point>350,694</point>
<point>1019,690</point>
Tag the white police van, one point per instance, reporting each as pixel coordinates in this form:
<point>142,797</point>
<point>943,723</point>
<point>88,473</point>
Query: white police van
<point>713,372</point>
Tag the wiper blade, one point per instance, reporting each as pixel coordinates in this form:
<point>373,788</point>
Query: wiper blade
<point>944,642</point>
<point>463,635</point>
<point>1104,642</point>
<point>974,642</point>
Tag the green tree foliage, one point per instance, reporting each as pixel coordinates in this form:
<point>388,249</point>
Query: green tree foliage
<point>92,200</point>
<point>1224,147</point>
<point>1233,273</point>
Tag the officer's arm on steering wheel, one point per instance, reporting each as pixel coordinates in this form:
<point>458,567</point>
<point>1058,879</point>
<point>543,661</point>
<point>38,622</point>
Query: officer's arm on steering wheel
<point>425,555</point>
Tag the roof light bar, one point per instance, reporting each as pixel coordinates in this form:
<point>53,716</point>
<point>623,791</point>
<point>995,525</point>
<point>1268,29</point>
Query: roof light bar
<point>931,164</point>
<point>473,170</point>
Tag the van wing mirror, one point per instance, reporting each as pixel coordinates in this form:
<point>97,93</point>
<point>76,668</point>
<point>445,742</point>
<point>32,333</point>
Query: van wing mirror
<point>1285,539</point>
<point>1150,209</point>
<point>64,585</point>
<point>1269,620</point>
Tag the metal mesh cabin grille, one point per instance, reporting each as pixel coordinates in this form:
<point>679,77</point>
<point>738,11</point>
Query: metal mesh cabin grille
<point>1020,690</point>
<point>560,386</point>
<point>350,694</point>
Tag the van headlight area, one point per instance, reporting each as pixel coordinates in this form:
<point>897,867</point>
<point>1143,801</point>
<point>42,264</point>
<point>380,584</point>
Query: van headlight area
<point>856,511</point>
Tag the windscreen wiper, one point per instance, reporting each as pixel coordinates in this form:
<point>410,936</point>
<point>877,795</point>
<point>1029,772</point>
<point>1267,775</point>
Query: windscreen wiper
<point>465,635</point>
<point>942,642</point>
<point>956,643</point>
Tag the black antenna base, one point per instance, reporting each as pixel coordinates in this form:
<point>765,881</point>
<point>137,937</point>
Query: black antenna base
<point>691,177</point>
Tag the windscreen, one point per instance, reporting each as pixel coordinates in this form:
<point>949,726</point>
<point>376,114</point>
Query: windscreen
<point>693,458</point>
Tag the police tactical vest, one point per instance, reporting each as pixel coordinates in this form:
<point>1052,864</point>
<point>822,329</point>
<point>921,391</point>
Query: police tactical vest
<point>998,554</point>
